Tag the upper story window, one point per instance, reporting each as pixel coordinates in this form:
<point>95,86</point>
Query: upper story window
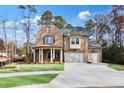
<point>48,40</point>
<point>75,42</point>
<point>48,29</point>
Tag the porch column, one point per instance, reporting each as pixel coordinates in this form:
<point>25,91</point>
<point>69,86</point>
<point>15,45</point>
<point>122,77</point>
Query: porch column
<point>61,58</point>
<point>51,56</point>
<point>34,55</point>
<point>54,54</point>
<point>39,56</point>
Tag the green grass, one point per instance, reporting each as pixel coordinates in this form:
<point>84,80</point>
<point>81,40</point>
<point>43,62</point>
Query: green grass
<point>116,67</point>
<point>6,82</point>
<point>34,67</point>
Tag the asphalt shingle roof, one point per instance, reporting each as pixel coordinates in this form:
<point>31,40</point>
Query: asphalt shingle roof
<point>67,31</point>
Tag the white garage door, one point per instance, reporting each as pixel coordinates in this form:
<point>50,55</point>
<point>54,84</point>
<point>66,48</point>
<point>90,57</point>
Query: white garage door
<point>73,57</point>
<point>93,57</point>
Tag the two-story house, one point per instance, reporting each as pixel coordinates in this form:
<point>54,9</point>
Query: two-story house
<point>55,45</point>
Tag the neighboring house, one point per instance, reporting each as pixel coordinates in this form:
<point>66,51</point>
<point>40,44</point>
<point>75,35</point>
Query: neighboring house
<point>3,58</point>
<point>3,53</point>
<point>55,45</point>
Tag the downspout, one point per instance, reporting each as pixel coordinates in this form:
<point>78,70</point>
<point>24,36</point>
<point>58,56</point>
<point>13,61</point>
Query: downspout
<point>63,48</point>
<point>87,48</point>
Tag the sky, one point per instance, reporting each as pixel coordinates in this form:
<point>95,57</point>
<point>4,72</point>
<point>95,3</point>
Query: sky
<point>68,12</point>
<point>73,14</point>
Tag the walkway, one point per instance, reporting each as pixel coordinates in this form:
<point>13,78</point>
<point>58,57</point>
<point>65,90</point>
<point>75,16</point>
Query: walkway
<point>29,73</point>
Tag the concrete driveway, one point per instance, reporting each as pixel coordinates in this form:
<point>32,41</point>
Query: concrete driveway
<point>86,75</point>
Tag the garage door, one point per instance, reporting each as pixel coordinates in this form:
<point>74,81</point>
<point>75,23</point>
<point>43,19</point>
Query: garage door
<point>73,57</point>
<point>93,57</point>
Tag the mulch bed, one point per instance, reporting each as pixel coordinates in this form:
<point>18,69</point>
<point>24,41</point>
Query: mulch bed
<point>89,62</point>
<point>121,65</point>
<point>8,67</point>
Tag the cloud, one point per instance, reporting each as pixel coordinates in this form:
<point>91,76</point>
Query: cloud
<point>24,21</point>
<point>11,24</point>
<point>84,15</point>
<point>36,19</point>
<point>17,23</point>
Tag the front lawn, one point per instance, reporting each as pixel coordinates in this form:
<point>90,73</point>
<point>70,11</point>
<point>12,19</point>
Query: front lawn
<point>116,67</point>
<point>34,67</point>
<point>6,82</point>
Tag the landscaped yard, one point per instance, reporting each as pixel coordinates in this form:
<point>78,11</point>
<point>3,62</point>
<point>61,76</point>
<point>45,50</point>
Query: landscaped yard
<point>33,67</point>
<point>25,80</point>
<point>116,67</point>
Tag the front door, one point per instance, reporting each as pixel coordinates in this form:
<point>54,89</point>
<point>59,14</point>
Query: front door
<point>57,55</point>
<point>46,55</point>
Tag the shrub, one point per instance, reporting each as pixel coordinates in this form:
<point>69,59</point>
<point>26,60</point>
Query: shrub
<point>114,55</point>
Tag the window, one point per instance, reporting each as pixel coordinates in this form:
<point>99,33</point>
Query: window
<point>74,42</point>
<point>48,39</point>
<point>77,41</point>
<point>48,29</point>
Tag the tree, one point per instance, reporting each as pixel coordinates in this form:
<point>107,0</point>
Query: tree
<point>1,44</point>
<point>68,26</point>
<point>27,26</point>
<point>22,51</point>
<point>59,21</point>
<point>89,26</point>
<point>117,22</point>
<point>46,17</point>
<point>98,26</point>
<point>11,48</point>
<point>101,26</point>
<point>115,52</point>
<point>15,36</point>
<point>3,24</point>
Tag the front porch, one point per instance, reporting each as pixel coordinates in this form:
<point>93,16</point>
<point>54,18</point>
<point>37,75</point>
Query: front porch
<point>48,56</point>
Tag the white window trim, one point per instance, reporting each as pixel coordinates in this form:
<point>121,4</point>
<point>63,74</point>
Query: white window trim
<point>75,46</point>
<point>48,29</point>
<point>49,40</point>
